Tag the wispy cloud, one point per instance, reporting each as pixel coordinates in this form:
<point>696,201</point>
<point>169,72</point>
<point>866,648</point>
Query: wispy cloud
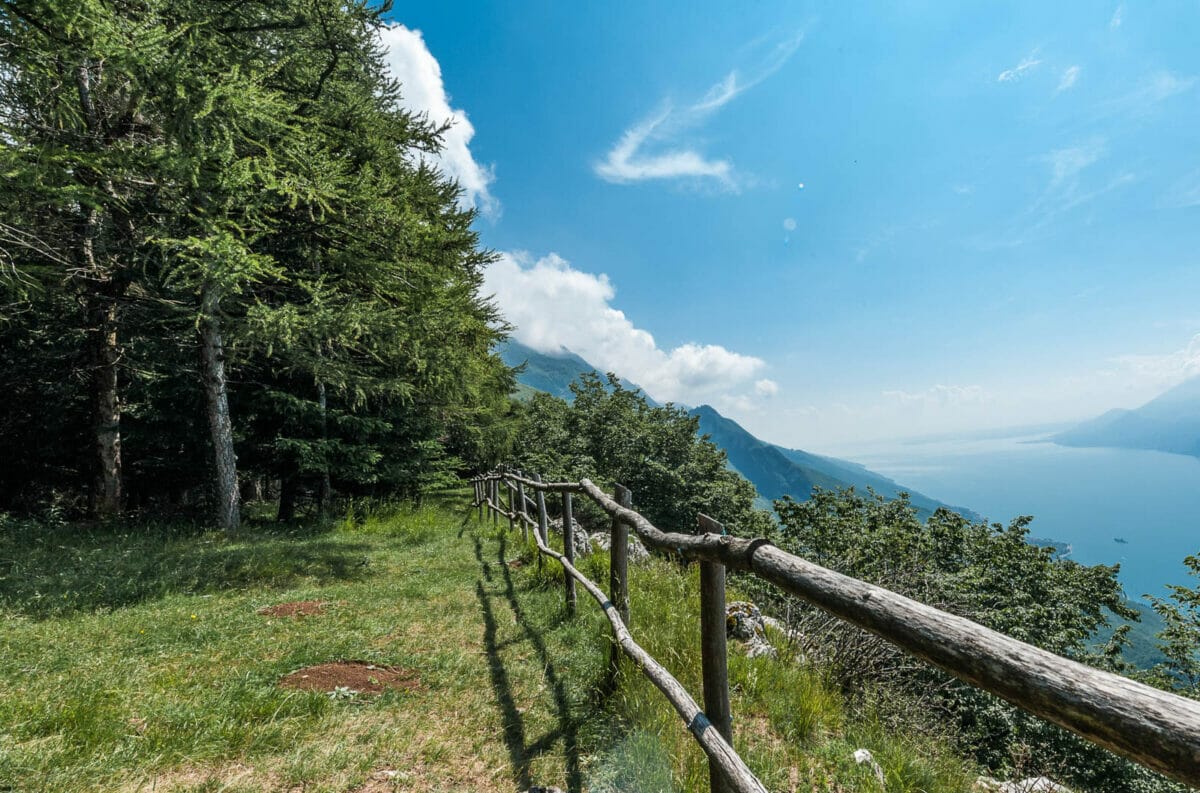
<point>1030,61</point>
<point>627,162</point>
<point>1069,76</point>
<point>1161,85</point>
<point>1066,189</point>
<point>941,396</point>
<point>410,62</point>
<point>1071,182</point>
<point>1184,193</point>
<point>1066,164</point>
<point>1117,18</point>
<point>1146,94</point>
<point>653,148</point>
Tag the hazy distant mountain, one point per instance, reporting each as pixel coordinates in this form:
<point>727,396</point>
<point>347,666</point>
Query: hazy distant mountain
<point>1167,423</point>
<point>774,470</point>
<point>550,372</point>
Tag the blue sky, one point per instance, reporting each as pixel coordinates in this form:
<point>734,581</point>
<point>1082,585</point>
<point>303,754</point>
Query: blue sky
<point>835,223</point>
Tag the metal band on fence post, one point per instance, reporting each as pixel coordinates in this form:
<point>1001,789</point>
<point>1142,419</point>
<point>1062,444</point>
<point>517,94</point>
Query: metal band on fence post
<point>543,519</point>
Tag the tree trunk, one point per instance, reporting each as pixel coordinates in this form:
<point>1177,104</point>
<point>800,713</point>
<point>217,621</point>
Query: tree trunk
<point>325,488</point>
<point>288,490</point>
<point>217,400</point>
<point>107,414</point>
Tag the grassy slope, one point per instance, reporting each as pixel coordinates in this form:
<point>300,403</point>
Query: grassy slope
<point>138,663</point>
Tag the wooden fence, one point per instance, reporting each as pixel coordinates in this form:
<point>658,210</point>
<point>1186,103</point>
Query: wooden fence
<point>1156,729</point>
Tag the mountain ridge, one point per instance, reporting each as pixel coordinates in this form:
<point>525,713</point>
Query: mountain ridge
<point>1168,423</point>
<point>775,471</point>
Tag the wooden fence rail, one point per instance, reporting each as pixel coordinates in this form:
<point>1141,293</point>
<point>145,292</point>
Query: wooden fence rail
<point>1156,729</point>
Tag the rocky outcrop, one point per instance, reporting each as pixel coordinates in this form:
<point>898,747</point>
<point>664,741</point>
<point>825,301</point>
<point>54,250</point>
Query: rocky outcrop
<point>579,536</point>
<point>744,622</point>
<point>637,551</point>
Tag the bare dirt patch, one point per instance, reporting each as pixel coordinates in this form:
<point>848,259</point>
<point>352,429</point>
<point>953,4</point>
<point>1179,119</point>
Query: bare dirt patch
<point>358,676</point>
<point>296,608</point>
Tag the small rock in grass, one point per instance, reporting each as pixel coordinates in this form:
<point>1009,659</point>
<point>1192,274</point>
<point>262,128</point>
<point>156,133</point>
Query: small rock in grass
<point>864,757</point>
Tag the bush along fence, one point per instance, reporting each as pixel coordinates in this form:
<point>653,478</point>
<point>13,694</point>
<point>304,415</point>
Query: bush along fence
<point>1156,729</point>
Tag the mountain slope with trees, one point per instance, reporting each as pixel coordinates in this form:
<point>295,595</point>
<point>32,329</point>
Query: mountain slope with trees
<point>773,470</point>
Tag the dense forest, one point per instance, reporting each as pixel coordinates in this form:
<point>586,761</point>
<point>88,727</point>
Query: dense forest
<point>228,264</point>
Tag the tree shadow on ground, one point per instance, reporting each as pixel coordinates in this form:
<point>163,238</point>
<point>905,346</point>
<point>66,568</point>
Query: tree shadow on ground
<point>63,570</point>
<point>522,751</point>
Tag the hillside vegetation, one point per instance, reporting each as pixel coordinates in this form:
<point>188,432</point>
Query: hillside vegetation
<point>989,573</point>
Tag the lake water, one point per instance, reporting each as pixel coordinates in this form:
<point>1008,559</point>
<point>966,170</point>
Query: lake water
<point>1085,497</point>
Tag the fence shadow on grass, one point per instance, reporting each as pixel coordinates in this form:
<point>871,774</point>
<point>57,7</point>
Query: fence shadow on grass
<point>521,751</point>
<point>58,571</point>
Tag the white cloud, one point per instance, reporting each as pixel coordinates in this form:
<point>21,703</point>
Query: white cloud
<point>1069,76</point>
<point>1165,369</point>
<point>766,388</point>
<point>553,306</point>
<point>420,75</point>
<point>1030,61</point>
<point>941,396</point>
<point>652,149</point>
<point>733,404</point>
<point>1117,18</point>
<point>789,224</point>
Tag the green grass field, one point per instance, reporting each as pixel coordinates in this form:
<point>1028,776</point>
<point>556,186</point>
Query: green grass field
<point>134,659</point>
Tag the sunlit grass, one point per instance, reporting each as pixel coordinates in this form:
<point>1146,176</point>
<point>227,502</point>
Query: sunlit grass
<point>134,659</point>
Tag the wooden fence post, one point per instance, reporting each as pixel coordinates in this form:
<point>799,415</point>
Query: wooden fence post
<point>618,572</point>
<point>521,509</point>
<point>569,550</point>
<point>495,503</point>
<point>543,520</point>
<point>508,490</point>
<point>714,656</point>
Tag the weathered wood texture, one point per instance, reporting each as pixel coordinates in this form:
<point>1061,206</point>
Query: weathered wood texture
<point>714,658</point>
<point>569,550</point>
<point>618,569</point>
<point>521,509</point>
<point>1158,730</point>
<point>543,527</point>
